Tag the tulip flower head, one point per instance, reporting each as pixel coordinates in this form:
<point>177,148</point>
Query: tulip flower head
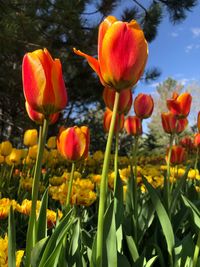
<point>30,137</point>
<point>125,99</point>
<point>133,125</point>
<point>143,106</point>
<point>178,155</point>
<point>198,121</point>
<point>73,143</point>
<point>187,142</point>
<point>180,105</point>
<point>122,53</point>
<point>197,140</point>
<point>6,148</point>
<point>171,124</point>
<point>43,83</point>
<point>119,123</point>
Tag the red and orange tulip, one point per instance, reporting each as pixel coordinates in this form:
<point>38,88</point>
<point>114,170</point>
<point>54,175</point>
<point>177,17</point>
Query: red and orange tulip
<point>198,121</point>
<point>43,84</point>
<point>39,117</point>
<point>179,105</point>
<point>73,143</point>
<point>119,123</point>
<point>143,106</point>
<point>171,124</point>
<point>187,142</point>
<point>197,140</point>
<point>133,125</point>
<point>178,155</point>
<point>125,99</point>
<point>122,53</point>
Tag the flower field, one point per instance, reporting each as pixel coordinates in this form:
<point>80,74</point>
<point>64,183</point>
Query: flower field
<point>61,205</point>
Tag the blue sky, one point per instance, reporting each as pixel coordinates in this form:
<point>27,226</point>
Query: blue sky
<point>176,51</point>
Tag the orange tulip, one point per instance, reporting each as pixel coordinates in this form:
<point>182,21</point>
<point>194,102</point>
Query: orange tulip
<point>73,143</point>
<point>143,106</point>
<point>171,124</point>
<point>178,155</point>
<point>39,117</point>
<point>197,140</point>
<point>119,123</point>
<point>122,53</point>
<point>43,83</point>
<point>179,105</point>
<point>133,125</point>
<point>125,99</point>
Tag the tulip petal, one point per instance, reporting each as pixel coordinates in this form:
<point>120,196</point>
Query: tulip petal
<point>93,62</point>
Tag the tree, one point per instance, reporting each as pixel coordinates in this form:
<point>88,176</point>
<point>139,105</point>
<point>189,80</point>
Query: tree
<point>61,25</point>
<point>157,139</point>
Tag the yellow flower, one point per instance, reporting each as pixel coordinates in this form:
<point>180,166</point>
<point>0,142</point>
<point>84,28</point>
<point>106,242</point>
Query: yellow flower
<point>30,137</point>
<point>1,159</point>
<point>15,156</point>
<point>6,148</point>
<point>32,152</point>
<point>98,155</point>
<point>51,143</point>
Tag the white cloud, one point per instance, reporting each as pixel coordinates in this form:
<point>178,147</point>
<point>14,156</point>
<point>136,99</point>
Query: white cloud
<point>191,47</point>
<point>196,31</point>
<point>174,34</point>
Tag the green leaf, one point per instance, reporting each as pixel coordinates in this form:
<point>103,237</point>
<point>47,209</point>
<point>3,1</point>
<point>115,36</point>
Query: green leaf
<point>37,252</point>
<point>162,216</point>
<point>132,248</point>
<point>118,202</point>
<point>41,224</point>
<point>122,261</point>
<point>57,237</point>
<point>194,210</point>
<point>151,261</point>
<point>178,189</point>
<point>11,239</point>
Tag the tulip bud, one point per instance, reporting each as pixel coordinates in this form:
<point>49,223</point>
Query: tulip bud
<point>178,155</point>
<point>15,156</point>
<point>119,123</point>
<point>30,137</point>
<point>43,83</point>
<point>187,143</point>
<point>122,53</point>
<point>179,105</point>
<point>51,142</point>
<point>143,106</point>
<point>6,148</point>
<point>171,124</point>
<point>133,125</point>
<point>73,142</point>
<point>125,99</point>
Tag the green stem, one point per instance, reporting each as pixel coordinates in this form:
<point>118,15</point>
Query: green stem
<point>196,162</point>
<point>11,173</point>
<point>196,251</point>
<point>135,193</point>
<point>31,235</point>
<point>70,185</point>
<point>103,185</point>
<point>116,159</point>
<point>167,187</point>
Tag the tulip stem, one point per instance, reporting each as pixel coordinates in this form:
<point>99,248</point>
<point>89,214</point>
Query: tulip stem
<point>196,251</point>
<point>196,162</point>
<point>135,194</point>
<point>167,187</point>
<point>116,159</point>
<point>103,185</point>
<point>31,234</point>
<point>70,185</point>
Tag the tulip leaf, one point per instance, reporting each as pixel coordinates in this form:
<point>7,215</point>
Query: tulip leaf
<point>122,260</point>
<point>177,191</point>
<point>11,239</point>
<point>151,261</point>
<point>194,210</point>
<point>162,216</point>
<point>118,202</point>
<point>57,237</point>
<point>37,252</point>
<point>132,248</point>
<point>41,224</point>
